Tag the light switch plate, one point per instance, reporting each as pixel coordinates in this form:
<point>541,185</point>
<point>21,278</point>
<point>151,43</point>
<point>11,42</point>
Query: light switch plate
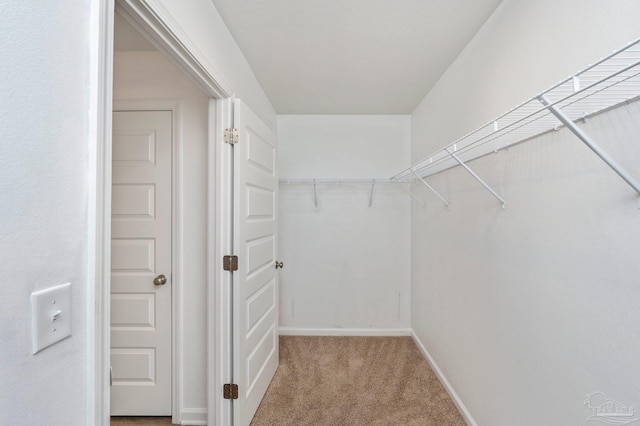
<point>51,316</point>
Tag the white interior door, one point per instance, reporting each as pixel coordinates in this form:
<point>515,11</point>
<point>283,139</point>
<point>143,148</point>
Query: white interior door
<point>255,243</point>
<point>140,254</point>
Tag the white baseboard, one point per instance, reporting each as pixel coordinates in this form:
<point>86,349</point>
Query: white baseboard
<point>297,331</point>
<point>193,416</point>
<point>466,415</point>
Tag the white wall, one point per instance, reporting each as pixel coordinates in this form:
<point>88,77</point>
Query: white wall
<point>149,76</point>
<point>346,265</point>
<point>528,310</point>
<point>48,85</point>
<point>44,172</point>
<point>204,33</point>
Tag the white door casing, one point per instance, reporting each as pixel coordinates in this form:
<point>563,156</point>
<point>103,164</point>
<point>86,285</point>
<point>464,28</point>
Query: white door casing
<point>255,318</point>
<point>167,36</point>
<point>140,252</point>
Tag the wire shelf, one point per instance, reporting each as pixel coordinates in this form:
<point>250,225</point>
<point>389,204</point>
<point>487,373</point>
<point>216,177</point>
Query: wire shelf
<point>611,81</point>
<point>339,181</point>
<point>347,181</point>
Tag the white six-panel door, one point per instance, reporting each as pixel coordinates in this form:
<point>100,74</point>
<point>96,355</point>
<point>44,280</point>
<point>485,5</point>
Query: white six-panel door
<point>255,243</point>
<point>141,251</point>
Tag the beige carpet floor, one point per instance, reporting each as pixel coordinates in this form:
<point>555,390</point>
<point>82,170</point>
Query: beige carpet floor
<point>354,381</point>
<point>347,381</point>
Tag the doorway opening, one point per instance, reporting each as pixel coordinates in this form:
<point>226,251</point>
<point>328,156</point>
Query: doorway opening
<point>127,200</point>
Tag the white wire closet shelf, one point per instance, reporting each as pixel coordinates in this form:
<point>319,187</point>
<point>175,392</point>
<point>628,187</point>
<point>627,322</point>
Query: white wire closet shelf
<point>609,82</point>
<point>345,181</point>
<point>329,181</point>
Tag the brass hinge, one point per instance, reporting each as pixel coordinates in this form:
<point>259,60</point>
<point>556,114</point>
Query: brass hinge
<point>230,391</point>
<point>230,263</point>
<point>231,136</point>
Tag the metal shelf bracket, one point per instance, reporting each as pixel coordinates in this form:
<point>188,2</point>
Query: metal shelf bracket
<point>315,194</point>
<point>431,189</point>
<point>590,143</point>
<point>476,177</point>
<point>414,196</point>
<point>373,184</point>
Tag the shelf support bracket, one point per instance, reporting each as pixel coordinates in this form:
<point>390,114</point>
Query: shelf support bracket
<point>373,183</point>
<point>315,194</point>
<point>476,177</point>
<point>590,143</point>
<point>415,197</point>
<point>431,188</point>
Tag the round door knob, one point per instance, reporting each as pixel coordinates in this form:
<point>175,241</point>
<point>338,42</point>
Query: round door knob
<point>279,265</point>
<point>160,280</point>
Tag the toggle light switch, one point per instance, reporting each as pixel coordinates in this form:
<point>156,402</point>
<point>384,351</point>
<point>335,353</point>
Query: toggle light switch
<point>55,315</point>
<point>51,316</point>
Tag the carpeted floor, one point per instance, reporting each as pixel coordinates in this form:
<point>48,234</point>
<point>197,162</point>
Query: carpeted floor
<point>354,381</point>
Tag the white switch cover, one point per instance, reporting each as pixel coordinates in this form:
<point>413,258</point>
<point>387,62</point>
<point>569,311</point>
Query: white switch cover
<point>51,316</point>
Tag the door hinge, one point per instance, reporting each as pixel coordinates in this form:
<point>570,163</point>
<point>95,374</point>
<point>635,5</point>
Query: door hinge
<point>230,263</point>
<point>231,136</point>
<point>230,391</point>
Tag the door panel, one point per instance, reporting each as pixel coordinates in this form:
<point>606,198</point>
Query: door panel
<point>255,242</point>
<point>140,251</point>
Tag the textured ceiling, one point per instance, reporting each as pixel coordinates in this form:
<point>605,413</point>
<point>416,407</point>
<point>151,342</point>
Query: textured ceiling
<point>351,56</point>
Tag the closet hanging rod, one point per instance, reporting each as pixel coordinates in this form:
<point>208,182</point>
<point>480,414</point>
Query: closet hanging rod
<point>611,81</point>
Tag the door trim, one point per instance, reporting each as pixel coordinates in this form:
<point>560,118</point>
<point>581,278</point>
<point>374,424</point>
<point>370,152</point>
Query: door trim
<point>176,236</point>
<point>151,19</point>
<point>219,320</point>
<point>99,218</point>
<point>169,39</point>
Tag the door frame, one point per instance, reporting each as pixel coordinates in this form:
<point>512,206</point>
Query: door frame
<point>151,19</point>
<point>220,225</point>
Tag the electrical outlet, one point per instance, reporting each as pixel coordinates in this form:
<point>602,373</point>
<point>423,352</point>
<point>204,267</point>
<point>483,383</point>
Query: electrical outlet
<point>51,316</point>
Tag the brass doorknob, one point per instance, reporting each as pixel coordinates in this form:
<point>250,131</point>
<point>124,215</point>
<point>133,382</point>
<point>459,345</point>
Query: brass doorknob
<point>279,265</point>
<point>160,280</point>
